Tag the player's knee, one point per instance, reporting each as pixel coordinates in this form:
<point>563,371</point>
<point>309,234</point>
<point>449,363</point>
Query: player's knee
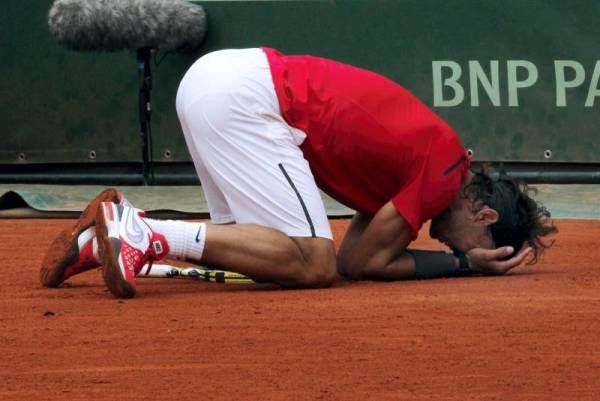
<point>318,266</point>
<point>318,275</point>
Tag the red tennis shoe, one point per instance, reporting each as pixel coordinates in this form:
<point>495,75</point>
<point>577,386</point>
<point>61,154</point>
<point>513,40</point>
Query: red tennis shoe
<point>71,251</point>
<point>125,244</point>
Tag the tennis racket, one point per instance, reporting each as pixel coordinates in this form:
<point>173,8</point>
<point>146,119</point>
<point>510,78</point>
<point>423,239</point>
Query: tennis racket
<point>194,272</point>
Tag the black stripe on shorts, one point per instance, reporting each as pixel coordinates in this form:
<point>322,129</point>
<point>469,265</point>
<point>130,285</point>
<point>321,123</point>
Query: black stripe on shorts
<point>308,219</point>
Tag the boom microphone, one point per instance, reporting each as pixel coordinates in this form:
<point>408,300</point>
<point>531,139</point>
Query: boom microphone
<point>111,25</point>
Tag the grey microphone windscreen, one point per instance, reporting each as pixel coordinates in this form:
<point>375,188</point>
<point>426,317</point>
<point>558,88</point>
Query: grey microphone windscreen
<point>127,24</point>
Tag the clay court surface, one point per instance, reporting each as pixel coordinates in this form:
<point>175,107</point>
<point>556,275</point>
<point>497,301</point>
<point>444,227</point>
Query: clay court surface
<point>531,335</point>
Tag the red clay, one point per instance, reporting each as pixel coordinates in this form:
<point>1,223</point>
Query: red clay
<point>531,335</point>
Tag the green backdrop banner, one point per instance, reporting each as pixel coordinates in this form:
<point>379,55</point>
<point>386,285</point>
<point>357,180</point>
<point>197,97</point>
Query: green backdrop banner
<point>519,80</point>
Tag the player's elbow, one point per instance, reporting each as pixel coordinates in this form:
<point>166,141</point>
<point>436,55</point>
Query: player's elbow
<point>347,266</point>
<point>342,265</point>
<point>353,274</point>
<point>353,271</point>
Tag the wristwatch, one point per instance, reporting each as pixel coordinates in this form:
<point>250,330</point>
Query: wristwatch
<point>464,265</point>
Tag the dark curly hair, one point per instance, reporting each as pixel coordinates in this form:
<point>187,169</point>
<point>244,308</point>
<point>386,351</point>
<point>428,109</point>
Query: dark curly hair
<point>520,218</point>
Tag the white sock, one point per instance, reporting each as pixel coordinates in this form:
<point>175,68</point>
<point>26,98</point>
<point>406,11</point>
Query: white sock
<point>186,239</point>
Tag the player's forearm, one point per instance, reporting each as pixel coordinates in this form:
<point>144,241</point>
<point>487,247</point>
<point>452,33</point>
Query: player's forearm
<point>418,264</point>
<point>364,258</point>
<point>356,267</point>
<point>373,243</point>
<point>403,267</point>
<point>363,261</point>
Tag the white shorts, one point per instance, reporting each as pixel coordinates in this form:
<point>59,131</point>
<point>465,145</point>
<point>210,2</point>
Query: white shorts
<point>247,157</point>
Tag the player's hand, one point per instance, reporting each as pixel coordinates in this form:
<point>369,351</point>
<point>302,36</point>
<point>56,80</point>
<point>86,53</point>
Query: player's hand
<point>488,261</point>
